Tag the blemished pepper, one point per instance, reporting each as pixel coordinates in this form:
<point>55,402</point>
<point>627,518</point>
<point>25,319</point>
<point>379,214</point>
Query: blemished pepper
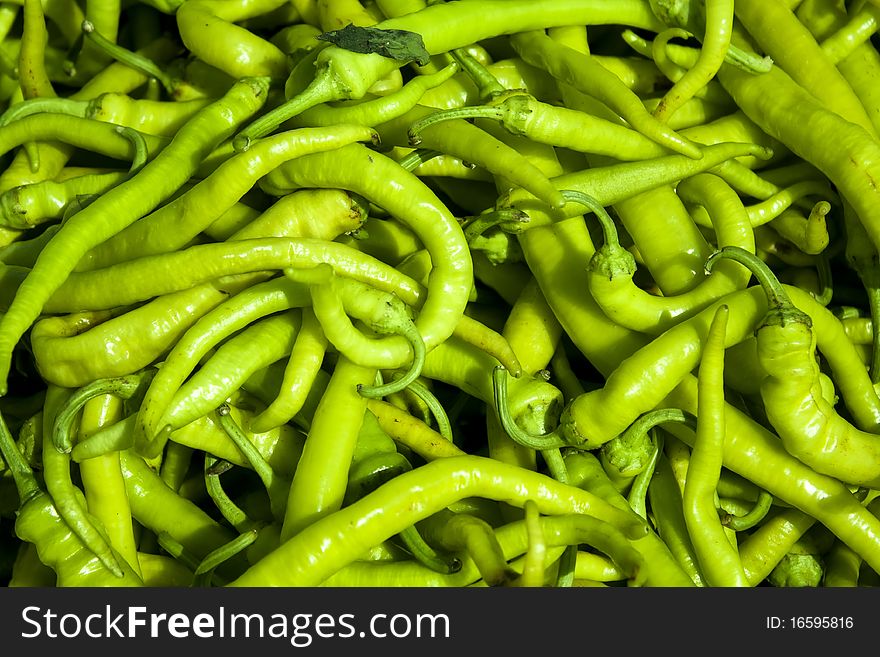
<point>341,74</point>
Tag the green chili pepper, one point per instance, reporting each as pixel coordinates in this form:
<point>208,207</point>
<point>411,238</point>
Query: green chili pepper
<point>718,559</point>
<point>455,478</point>
<point>418,208</point>
<point>208,29</point>
<point>319,483</point>
<point>38,522</point>
<point>821,78</point>
<point>118,207</point>
<point>342,74</point>
<point>176,223</point>
<point>411,432</point>
<point>31,205</point>
<point>258,345</point>
<point>819,437</point>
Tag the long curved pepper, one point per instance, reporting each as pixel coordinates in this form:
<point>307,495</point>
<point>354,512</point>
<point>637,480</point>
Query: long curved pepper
<point>718,559</point>
<point>808,425</point>
<point>222,321</point>
<point>522,114</point>
<point>319,483</point>
<point>382,181</point>
<point>715,46</point>
<point>124,204</point>
<point>174,224</point>
<point>617,182</point>
<point>588,76</point>
<point>33,79</point>
<point>300,373</point>
<point>476,146</point>
<point>220,376</point>
<point>335,540</point>
<point>85,133</point>
<point>344,75</point>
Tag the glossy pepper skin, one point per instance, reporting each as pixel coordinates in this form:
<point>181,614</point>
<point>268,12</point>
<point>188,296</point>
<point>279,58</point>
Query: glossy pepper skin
<point>38,521</point>
<point>810,429</point>
<point>124,204</point>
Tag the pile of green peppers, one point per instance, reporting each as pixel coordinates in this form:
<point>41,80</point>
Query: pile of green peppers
<point>408,293</point>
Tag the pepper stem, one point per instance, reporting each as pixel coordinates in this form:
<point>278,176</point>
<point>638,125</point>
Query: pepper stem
<point>755,515</point>
<point>426,555</point>
<point>639,490</point>
<point>124,387</point>
<point>53,105</point>
<point>487,84</point>
<point>474,112</point>
<point>408,330</point>
<point>320,90</point>
<point>444,426</point>
<point>273,483</point>
<point>780,308</point>
<point>204,572</point>
<point>609,230</point>
<point>413,160</point>
<point>625,457</point>
<point>22,473</point>
<point>130,58</point>
<point>139,144</point>
<point>479,224</point>
<point>552,440</point>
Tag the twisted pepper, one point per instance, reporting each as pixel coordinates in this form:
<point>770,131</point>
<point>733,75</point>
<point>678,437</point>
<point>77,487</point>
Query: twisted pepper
<point>814,433</point>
